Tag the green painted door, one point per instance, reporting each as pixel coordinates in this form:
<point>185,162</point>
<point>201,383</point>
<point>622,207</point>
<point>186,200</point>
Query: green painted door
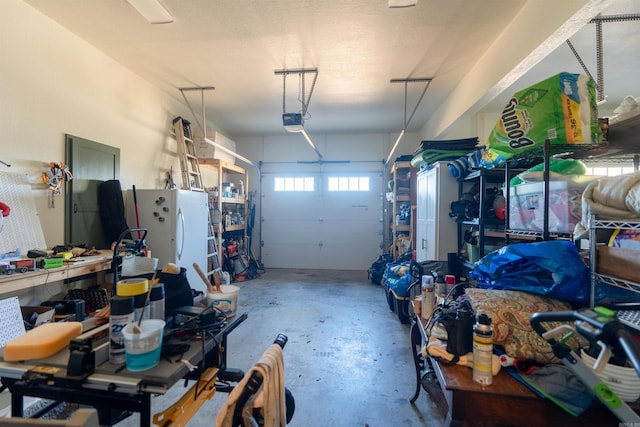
<point>91,163</point>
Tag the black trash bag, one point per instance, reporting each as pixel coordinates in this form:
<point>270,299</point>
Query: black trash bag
<point>376,271</point>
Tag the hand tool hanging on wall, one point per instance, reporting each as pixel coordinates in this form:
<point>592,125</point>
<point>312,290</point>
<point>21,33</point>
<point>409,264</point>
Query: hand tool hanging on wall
<point>53,177</point>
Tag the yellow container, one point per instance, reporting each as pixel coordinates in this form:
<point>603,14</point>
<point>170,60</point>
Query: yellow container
<point>132,287</point>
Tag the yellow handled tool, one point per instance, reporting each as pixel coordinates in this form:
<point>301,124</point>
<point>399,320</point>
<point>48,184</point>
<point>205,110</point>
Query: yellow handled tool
<point>179,414</point>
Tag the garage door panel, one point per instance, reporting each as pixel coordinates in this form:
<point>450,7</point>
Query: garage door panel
<point>288,256</point>
<point>353,250</point>
<point>304,203</point>
<point>322,229</point>
<point>348,256</point>
<point>299,231</point>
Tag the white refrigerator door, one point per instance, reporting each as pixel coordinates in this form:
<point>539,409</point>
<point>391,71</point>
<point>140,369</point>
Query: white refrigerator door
<point>191,234</point>
<point>177,224</point>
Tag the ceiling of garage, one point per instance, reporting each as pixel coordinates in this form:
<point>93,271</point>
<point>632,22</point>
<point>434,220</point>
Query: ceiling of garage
<point>358,46</point>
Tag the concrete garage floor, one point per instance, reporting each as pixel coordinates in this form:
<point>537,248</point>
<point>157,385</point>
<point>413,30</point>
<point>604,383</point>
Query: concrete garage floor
<point>348,360</point>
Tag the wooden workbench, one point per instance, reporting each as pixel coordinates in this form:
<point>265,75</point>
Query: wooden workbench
<point>82,266</point>
<point>506,402</point>
<point>114,390</point>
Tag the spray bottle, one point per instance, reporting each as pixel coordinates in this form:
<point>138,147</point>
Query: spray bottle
<point>122,309</point>
<point>483,350</point>
<point>428,296</point>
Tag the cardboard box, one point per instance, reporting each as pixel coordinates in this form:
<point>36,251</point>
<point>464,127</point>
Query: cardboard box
<point>205,150</point>
<point>43,314</point>
<point>619,263</point>
<point>526,206</point>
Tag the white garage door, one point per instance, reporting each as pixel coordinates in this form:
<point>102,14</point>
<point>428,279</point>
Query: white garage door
<point>320,228</point>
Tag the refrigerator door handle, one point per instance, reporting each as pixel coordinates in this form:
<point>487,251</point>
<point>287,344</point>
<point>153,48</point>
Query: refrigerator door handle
<point>181,224</point>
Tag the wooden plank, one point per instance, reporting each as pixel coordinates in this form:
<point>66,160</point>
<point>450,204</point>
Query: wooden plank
<point>81,267</point>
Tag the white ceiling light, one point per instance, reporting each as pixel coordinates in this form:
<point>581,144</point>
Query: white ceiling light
<point>152,10</point>
<point>402,3</point>
<point>311,144</point>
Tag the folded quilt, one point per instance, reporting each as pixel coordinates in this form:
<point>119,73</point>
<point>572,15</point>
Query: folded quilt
<point>614,198</point>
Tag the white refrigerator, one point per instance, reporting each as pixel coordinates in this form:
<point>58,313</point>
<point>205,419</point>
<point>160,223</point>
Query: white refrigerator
<point>177,224</point>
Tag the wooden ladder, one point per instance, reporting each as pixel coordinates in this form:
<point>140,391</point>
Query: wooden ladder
<point>213,257</point>
<point>191,177</point>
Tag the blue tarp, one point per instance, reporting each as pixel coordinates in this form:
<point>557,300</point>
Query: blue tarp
<point>552,268</point>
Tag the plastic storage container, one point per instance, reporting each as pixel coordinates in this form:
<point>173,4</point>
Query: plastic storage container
<point>142,349</point>
<point>526,206</point>
<point>399,305</point>
<point>225,301</point>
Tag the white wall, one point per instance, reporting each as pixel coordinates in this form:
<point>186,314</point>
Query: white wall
<point>52,83</point>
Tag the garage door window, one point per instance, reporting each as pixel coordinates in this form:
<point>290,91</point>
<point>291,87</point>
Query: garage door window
<point>349,183</point>
<point>301,183</point>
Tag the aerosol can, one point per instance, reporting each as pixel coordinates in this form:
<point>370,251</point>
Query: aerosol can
<point>428,296</point>
<point>483,350</point>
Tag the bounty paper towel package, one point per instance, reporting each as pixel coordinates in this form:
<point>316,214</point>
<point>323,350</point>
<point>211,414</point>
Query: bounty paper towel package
<point>561,108</point>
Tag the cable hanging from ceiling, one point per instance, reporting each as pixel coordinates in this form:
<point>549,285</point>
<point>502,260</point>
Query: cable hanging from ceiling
<point>303,98</point>
<point>294,122</point>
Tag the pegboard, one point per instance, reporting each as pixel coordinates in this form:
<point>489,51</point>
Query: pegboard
<point>21,229</point>
<point>11,318</point>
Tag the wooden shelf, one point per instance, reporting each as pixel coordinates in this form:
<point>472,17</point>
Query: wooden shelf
<point>83,266</point>
<point>401,175</point>
<point>226,172</point>
<point>217,163</point>
<point>400,165</point>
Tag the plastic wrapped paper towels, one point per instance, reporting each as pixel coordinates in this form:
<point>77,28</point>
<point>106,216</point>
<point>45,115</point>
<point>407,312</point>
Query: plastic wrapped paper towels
<point>561,108</point>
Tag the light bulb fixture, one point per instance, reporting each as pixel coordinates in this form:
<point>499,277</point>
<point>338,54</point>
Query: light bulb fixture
<point>152,10</point>
<point>230,152</point>
<point>402,3</point>
<point>405,121</point>
<point>395,145</point>
<point>310,142</point>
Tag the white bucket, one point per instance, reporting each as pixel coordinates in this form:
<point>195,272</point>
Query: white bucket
<point>142,350</point>
<point>226,301</point>
<point>622,380</point>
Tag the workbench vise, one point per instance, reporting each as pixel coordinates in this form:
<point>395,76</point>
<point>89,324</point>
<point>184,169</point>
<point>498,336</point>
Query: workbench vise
<point>87,351</point>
